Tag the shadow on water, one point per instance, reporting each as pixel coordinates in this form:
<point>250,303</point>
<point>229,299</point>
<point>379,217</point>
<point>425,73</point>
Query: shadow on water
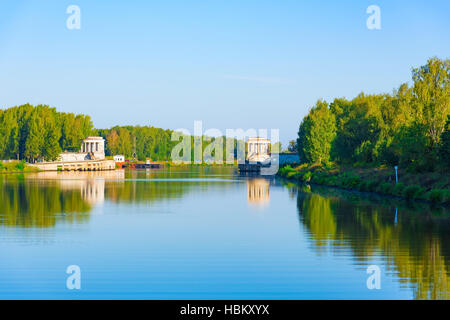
<point>412,238</point>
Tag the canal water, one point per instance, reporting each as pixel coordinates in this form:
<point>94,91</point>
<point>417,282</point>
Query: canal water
<point>206,233</point>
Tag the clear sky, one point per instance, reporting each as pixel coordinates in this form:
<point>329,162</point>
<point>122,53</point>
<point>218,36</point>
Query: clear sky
<point>231,63</point>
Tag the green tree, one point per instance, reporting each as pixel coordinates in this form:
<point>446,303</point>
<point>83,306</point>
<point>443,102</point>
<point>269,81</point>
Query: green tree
<point>316,134</point>
<point>444,150</point>
<point>432,97</point>
<point>35,140</point>
<point>292,147</point>
<point>52,133</point>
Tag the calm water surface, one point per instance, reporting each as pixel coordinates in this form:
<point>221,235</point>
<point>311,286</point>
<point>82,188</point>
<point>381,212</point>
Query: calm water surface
<point>206,233</point>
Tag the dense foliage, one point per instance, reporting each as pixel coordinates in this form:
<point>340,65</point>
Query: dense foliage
<point>409,128</point>
<point>40,132</point>
<point>138,142</point>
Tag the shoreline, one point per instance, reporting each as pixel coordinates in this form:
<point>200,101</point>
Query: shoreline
<point>371,181</point>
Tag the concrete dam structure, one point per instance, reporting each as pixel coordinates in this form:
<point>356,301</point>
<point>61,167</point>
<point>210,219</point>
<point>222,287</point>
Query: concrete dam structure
<point>90,158</point>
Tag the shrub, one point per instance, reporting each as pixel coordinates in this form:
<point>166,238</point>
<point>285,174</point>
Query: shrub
<point>319,178</point>
<point>385,188</point>
<point>421,194</point>
<point>291,174</point>
<point>332,181</point>
<point>398,189</point>
<point>353,182</point>
<point>436,195</point>
<point>20,165</point>
<point>307,176</point>
<point>446,198</point>
<point>284,171</point>
<point>412,191</point>
<point>371,185</point>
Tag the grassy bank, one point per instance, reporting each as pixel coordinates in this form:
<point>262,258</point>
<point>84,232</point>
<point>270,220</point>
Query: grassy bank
<point>16,166</point>
<point>433,186</point>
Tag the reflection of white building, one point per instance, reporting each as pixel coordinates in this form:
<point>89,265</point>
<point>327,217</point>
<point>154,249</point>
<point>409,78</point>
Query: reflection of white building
<point>258,191</point>
<point>93,191</point>
<point>258,150</point>
<point>92,148</point>
<point>90,183</point>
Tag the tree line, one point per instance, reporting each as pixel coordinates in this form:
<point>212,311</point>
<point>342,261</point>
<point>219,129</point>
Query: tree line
<point>143,142</point>
<point>40,132</point>
<point>409,127</point>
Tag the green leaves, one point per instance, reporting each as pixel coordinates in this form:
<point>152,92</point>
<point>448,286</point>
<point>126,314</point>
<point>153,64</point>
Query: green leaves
<point>316,133</point>
<point>406,128</point>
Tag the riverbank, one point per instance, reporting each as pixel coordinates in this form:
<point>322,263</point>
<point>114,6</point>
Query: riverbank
<point>431,186</point>
<point>16,167</point>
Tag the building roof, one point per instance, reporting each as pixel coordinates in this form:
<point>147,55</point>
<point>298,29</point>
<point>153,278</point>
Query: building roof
<point>93,138</point>
<point>258,139</point>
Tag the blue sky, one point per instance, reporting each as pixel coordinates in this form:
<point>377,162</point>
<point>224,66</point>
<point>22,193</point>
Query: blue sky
<point>231,64</point>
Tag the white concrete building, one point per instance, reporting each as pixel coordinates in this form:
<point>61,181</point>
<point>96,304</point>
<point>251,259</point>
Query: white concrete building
<point>258,150</point>
<point>92,148</point>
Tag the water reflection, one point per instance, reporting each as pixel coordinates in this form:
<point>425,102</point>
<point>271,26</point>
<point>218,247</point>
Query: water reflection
<point>91,184</point>
<point>415,245</point>
<point>28,204</point>
<point>411,239</point>
<point>42,199</point>
<point>258,191</point>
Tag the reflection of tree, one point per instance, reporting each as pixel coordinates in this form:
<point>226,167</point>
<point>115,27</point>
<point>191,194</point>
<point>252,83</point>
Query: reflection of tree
<point>319,217</point>
<point>416,247</point>
<point>42,199</point>
<point>28,204</point>
<point>152,186</point>
<point>146,191</point>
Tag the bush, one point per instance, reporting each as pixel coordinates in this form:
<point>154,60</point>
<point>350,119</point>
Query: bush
<point>319,177</point>
<point>436,195</point>
<point>20,165</point>
<point>385,188</point>
<point>372,185</point>
<point>285,170</point>
<point>291,174</point>
<point>421,194</point>
<point>398,189</point>
<point>332,181</point>
<point>307,176</point>
<point>351,182</point>
<point>412,191</point>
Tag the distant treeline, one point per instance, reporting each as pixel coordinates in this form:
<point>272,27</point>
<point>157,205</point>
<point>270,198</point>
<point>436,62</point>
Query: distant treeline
<point>409,128</point>
<point>40,132</point>
<point>143,142</point>
<point>140,142</point>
